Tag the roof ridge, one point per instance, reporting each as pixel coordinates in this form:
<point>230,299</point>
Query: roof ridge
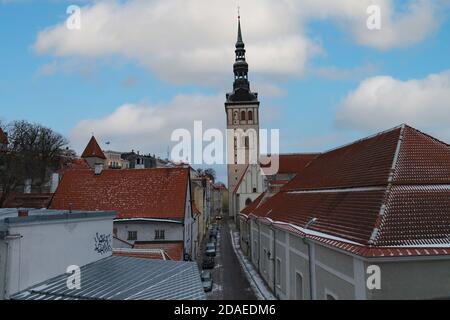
<point>93,149</point>
<point>295,154</point>
<point>427,135</point>
<point>381,215</point>
<point>362,139</point>
<point>236,188</point>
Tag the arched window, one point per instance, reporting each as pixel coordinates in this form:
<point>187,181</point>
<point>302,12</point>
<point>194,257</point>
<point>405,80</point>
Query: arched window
<point>248,201</point>
<point>243,115</point>
<point>250,115</point>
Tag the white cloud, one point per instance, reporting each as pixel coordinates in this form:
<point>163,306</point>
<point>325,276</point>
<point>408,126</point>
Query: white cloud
<point>148,127</point>
<point>192,41</point>
<point>406,25</point>
<point>184,41</point>
<point>381,102</point>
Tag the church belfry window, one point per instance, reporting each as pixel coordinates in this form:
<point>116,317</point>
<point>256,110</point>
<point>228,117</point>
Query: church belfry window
<point>250,115</point>
<point>243,115</point>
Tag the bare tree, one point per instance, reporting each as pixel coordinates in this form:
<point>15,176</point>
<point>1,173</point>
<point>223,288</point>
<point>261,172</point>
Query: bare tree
<point>208,173</point>
<point>33,152</point>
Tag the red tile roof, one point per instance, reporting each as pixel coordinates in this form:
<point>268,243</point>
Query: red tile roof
<point>28,200</point>
<point>390,191</point>
<point>253,205</point>
<point>146,193</point>
<point>293,163</point>
<point>93,150</point>
<point>366,162</point>
<point>73,164</point>
<point>3,137</point>
<point>236,188</point>
<point>173,249</point>
<point>195,211</point>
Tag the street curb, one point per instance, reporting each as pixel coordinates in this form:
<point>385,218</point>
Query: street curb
<point>261,294</point>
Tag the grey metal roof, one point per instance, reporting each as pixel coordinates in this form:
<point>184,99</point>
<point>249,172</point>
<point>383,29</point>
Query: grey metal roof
<point>124,278</point>
<point>10,215</point>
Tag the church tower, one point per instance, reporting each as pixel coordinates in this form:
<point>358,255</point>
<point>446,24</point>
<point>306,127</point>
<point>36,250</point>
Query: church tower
<point>242,114</point>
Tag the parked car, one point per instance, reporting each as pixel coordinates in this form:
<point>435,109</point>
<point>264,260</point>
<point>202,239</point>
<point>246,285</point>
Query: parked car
<point>210,249</point>
<point>207,281</point>
<point>208,263</point>
<point>219,217</point>
<point>213,234</point>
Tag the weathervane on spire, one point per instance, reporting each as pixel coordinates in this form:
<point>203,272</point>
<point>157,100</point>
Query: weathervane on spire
<point>239,12</point>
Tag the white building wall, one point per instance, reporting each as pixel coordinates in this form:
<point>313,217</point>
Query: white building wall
<point>283,258</point>
<point>146,230</point>
<point>45,250</point>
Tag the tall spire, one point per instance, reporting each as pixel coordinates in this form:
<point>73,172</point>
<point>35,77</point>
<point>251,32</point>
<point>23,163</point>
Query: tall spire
<point>239,37</point>
<point>241,85</point>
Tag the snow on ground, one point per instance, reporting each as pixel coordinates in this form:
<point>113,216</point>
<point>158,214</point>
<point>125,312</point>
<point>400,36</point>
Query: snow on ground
<point>256,282</point>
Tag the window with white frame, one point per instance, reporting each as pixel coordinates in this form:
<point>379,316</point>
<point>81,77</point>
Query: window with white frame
<point>160,234</point>
<point>132,235</point>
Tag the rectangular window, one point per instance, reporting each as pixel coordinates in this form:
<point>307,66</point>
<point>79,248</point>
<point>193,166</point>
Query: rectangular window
<point>278,273</point>
<point>264,261</point>
<point>298,286</point>
<point>160,234</point>
<point>132,235</point>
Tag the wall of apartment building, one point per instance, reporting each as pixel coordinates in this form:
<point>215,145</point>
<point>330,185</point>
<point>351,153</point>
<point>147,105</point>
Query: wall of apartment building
<point>244,227</point>
<point>146,230</point>
<point>287,269</point>
<point>411,278</point>
<point>3,261</point>
<point>199,199</point>
<point>42,250</point>
<point>337,274</point>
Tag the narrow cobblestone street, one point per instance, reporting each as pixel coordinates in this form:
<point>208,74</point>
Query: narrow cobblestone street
<point>230,282</point>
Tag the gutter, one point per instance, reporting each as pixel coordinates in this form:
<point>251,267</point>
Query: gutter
<point>312,285</point>
<point>274,259</point>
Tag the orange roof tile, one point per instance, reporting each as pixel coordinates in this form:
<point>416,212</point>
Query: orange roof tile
<point>293,163</point>
<point>3,137</point>
<point>388,190</point>
<point>93,150</point>
<point>146,193</point>
<point>174,249</point>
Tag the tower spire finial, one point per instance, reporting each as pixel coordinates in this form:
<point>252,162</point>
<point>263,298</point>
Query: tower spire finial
<point>240,42</point>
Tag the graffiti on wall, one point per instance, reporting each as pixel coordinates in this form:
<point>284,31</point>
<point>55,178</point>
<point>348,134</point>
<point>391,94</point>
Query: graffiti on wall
<point>103,243</point>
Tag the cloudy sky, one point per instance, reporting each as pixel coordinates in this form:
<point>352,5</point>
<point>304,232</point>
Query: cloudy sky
<point>138,69</point>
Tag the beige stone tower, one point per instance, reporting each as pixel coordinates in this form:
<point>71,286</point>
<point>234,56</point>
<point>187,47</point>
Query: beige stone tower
<point>242,115</point>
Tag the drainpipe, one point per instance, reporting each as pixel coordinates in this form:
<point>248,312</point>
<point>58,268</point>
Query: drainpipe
<point>311,265</point>
<point>274,259</point>
<point>250,238</point>
<point>259,246</point>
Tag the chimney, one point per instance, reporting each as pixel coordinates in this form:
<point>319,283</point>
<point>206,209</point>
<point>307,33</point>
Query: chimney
<point>98,168</point>
<point>22,213</point>
<point>27,186</point>
<point>54,183</point>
